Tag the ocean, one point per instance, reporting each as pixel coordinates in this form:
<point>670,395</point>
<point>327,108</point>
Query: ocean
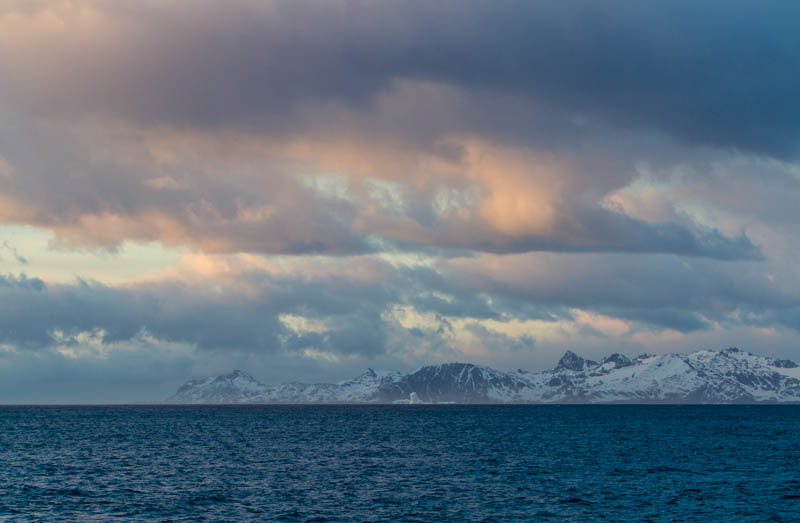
<point>400,463</point>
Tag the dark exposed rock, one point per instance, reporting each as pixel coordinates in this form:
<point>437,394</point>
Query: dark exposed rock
<point>571,361</point>
<point>619,360</point>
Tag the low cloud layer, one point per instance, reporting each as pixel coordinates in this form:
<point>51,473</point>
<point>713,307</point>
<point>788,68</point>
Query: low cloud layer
<point>342,315</point>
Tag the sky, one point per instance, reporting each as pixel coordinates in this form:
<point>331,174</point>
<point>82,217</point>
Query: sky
<point>304,190</point>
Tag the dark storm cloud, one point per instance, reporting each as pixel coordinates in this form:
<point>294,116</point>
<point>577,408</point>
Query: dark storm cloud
<point>36,316</point>
<point>212,315</point>
<point>595,229</point>
<point>722,74</point>
<point>675,319</point>
<point>660,291</point>
<point>242,315</point>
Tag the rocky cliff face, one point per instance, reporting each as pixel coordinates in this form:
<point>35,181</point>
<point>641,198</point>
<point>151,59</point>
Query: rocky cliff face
<point>727,376</point>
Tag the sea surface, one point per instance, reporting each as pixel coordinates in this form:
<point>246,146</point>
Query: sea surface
<point>400,463</point>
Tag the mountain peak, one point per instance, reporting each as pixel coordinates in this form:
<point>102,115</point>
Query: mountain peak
<point>571,361</point>
<point>237,374</point>
<point>619,360</point>
<point>233,387</point>
<point>368,374</point>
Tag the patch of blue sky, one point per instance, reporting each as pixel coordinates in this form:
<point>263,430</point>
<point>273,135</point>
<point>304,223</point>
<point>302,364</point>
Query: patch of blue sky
<point>33,251</point>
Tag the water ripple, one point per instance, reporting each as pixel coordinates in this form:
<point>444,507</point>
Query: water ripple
<point>426,463</point>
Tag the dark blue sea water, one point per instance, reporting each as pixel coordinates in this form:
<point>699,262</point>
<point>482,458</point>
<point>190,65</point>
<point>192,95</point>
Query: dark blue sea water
<point>400,463</point>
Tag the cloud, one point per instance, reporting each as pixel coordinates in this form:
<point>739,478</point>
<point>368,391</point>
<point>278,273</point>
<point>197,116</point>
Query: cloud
<point>244,306</point>
<point>661,291</point>
<point>167,186</point>
<point>203,127</point>
<point>277,65</point>
<point>21,282</point>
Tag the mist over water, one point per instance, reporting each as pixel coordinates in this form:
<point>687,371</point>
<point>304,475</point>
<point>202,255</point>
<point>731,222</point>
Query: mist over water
<point>409,463</point>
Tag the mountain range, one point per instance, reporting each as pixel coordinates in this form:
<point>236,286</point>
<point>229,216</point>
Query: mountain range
<point>705,376</point>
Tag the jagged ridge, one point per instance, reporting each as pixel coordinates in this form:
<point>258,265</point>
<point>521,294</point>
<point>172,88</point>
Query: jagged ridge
<point>706,376</point>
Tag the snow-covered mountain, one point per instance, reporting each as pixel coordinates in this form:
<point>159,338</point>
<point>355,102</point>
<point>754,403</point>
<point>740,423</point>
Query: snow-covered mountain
<point>236,387</point>
<point>706,376</point>
<point>240,387</point>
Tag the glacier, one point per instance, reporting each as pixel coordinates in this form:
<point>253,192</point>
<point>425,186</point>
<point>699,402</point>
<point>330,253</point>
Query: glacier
<point>704,376</point>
